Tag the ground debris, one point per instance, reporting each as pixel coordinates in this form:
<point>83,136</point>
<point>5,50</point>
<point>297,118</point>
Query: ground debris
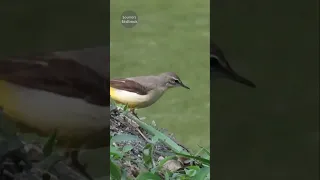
<point>120,124</point>
<point>25,163</point>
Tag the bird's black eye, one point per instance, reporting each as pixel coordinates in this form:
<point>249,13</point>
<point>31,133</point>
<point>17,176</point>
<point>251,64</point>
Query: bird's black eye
<point>176,81</point>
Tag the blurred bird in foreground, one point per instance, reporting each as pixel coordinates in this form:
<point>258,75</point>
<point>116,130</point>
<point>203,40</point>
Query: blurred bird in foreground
<point>62,92</point>
<point>220,68</point>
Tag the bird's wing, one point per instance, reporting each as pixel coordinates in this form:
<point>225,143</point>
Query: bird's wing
<point>63,76</point>
<point>96,58</point>
<point>129,85</point>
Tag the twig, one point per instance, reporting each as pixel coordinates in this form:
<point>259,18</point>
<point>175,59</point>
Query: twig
<point>144,137</point>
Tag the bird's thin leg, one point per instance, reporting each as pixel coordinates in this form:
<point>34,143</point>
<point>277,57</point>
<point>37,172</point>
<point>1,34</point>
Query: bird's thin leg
<point>81,167</point>
<point>134,113</point>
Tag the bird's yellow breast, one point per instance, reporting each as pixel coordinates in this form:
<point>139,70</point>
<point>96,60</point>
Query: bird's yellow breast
<point>134,100</point>
<point>43,112</point>
<point>7,99</point>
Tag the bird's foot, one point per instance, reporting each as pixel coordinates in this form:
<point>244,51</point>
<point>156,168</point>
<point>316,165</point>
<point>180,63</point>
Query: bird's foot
<point>82,168</point>
<point>134,113</point>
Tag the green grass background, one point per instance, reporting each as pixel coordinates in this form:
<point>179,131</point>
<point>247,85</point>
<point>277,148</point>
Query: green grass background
<point>169,36</point>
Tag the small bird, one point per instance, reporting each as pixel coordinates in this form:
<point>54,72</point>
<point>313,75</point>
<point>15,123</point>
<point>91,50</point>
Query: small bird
<point>62,92</point>
<point>220,68</point>
<point>143,91</point>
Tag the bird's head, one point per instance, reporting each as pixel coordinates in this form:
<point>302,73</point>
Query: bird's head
<point>171,79</point>
<point>220,68</point>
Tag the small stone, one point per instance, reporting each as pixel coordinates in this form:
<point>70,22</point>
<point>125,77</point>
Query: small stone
<point>172,165</point>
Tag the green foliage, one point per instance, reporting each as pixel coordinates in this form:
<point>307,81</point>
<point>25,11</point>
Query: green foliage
<point>49,145</point>
<point>200,159</point>
<point>12,150</point>
<point>157,135</point>
<point>115,172</point>
<point>147,176</point>
<point>117,152</point>
<point>123,137</point>
<point>147,156</point>
<point>189,166</point>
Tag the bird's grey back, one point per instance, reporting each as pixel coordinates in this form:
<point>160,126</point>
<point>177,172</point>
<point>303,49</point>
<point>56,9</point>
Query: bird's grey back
<point>151,81</point>
<point>155,80</point>
<point>147,81</point>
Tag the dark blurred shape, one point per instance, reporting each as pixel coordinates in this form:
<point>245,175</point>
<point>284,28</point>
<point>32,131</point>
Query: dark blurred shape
<point>220,68</point>
<point>59,26</point>
<point>271,132</point>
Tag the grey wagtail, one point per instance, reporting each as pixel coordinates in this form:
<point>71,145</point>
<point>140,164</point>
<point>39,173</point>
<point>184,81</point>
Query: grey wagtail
<point>219,67</point>
<point>143,91</point>
<point>64,92</point>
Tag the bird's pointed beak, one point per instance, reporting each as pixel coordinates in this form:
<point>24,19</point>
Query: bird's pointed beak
<point>234,76</point>
<point>182,85</point>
